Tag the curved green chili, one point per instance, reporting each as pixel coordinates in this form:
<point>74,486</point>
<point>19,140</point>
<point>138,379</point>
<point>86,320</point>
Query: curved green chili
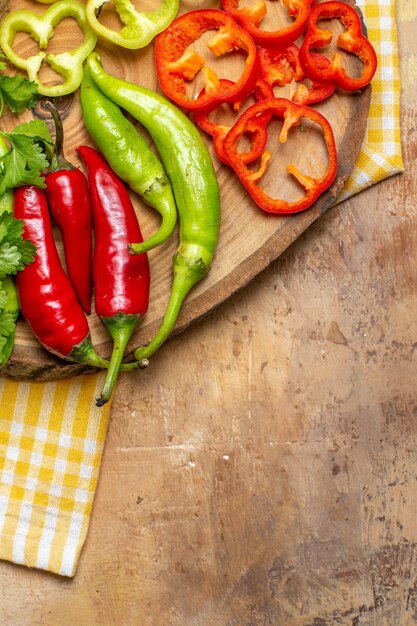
<point>129,156</point>
<point>190,170</point>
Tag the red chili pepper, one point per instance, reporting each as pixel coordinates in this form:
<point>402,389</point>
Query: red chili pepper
<point>281,66</point>
<point>69,202</point>
<point>121,280</point>
<point>175,64</point>
<point>257,133</point>
<point>317,66</point>
<point>47,299</point>
<point>292,114</point>
<point>251,16</point>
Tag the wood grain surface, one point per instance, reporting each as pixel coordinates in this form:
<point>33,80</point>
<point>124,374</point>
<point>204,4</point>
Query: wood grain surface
<point>262,470</point>
<point>249,238</point>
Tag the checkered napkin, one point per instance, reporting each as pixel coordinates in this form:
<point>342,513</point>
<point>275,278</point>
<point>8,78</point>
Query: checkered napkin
<point>52,435</point>
<point>380,155</point>
<point>51,443</point>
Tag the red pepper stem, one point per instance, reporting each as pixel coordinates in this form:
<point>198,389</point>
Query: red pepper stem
<point>120,328</point>
<point>85,353</point>
<point>59,162</point>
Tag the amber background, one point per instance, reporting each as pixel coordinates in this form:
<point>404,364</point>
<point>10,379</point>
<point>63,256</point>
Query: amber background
<point>263,469</point>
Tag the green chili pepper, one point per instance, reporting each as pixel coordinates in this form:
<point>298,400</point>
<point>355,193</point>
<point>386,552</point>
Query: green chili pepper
<point>12,308</point>
<point>41,28</point>
<point>7,283</point>
<point>190,170</point>
<point>139,28</point>
<point>129,156</point>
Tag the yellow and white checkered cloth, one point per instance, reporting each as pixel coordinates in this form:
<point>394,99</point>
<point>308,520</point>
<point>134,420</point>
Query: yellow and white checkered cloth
<point>380,155</point>
<point>52,435</point>
<point>51,443</point>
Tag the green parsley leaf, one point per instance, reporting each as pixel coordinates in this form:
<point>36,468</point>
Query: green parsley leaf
<point>37,129</point>
<point>11,229</point>
<point>3,298</point>
<point>15,252</point>
<point>9,258</point>
<point>7,324</point>
<point>18,92</point>
<point>31,145</point>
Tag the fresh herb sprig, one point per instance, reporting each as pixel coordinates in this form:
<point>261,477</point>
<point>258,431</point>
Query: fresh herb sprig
<point>15,252</point>
<point>16,92</point>
<point>31,147</point>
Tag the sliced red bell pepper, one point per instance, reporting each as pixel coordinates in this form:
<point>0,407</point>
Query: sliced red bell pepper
<point>256,131</point>
<point>292,114</point>
<point>281,66</point>
<point>251,16</point>
<point>177,64</point>
<point>353,40</point>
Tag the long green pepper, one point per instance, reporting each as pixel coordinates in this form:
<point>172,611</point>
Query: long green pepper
<point>196,190</point>
<point>129,156</point>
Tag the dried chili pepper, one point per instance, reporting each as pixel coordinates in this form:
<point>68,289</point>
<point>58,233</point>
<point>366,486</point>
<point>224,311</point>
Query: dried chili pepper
<point>292,114</point>
<point>218,131</point>
<point>47,299</point>
<point>250,18</point>
<point>281,66</point>
<point>121,280</point>
<point>317,66</point>
<point>175,64</point>
<point>69,202</point>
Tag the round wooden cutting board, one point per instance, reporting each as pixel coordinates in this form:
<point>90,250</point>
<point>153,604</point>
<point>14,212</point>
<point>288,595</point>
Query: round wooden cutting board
<point>249,238</point>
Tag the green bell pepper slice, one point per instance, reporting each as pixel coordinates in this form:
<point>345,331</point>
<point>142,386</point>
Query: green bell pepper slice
<point>139,27</point>
<point>69,64</point>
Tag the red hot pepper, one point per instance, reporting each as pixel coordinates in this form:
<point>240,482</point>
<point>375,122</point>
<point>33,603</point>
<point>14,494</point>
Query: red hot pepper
<point>251,16</point>
<point>219,131</point>
<point>292,114</point>
<point>69,202</point>
<point>47,299</point>
<point>317,66</point>
<point>121,280</point>
<point>176,63</point>
<point>281,66</point>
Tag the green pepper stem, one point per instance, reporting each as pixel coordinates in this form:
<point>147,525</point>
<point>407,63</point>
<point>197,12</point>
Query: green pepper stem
<point>186,274</point>
<point>85,353</point>
<point>120,328</point>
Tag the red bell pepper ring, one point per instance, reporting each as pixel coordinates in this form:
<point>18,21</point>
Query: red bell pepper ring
<point>281,66</point>
<point>292,114</point>
<point>177,64</point>
<point>257,131</point>
<point>251,16</point>
<point>317,66</point>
